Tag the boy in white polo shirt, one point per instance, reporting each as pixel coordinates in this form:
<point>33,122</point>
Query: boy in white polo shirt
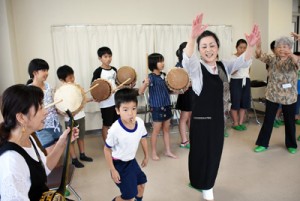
<point>121,146</point>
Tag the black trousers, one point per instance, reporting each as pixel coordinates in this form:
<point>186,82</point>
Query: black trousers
<point>267,127</point>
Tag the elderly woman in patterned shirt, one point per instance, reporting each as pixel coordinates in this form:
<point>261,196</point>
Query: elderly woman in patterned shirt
<point>281,89</point>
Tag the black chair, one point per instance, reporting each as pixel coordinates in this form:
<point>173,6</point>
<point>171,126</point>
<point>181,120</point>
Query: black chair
<point>175,112</point>
<point>145,109</point>
<point>261,100</point>
<point>54,178</point>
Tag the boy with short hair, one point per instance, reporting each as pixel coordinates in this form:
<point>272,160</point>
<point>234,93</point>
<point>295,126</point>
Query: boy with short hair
<point>121,146</point>
<point>66,75</point>
<point>105,71</point>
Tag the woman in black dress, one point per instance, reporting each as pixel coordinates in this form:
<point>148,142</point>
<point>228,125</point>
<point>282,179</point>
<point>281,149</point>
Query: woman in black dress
<point>210,87</point>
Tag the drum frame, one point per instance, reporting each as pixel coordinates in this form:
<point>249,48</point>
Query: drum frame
<point>83,101</point>
<point>131,79</point>
<point>97,82</point>
<point>182,90</point>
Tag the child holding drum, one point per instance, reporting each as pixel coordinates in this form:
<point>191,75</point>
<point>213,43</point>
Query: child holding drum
<point>38,72</point>
<point>66,75</point>
<point>160,103</point>
<point>107,72</point>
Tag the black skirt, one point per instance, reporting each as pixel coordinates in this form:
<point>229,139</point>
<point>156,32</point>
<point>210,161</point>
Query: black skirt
<point>184,101</point>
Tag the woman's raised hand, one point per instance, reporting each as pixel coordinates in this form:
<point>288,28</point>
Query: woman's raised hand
<point>197,27</point>
<point>295,35</point>
<point>254,37</point>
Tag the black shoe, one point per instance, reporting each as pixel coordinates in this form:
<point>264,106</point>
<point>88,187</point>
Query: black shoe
<point>83,157</point>
<point>76,163</point>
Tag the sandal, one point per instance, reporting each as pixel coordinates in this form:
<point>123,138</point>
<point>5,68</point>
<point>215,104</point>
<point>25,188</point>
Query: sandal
<point>185,144</point>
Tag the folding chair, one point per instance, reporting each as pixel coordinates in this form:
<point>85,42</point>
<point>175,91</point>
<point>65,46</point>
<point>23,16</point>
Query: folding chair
<point>147,108</point>
<point>261,100</point>
<point>175,112</point>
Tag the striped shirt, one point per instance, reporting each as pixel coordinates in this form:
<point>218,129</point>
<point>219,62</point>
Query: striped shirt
<point>158,91</point>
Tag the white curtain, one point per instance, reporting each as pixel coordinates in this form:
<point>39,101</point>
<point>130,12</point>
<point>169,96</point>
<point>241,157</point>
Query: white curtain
<point>77,47</point>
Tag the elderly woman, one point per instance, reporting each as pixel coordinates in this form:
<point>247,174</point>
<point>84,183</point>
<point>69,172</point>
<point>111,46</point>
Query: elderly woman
<point>23,164</point>
<point>281,89</point>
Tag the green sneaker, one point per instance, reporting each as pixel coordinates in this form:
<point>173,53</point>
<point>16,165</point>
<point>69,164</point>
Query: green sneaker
<point>259,149</point>
<point>275,124</point>
<point>297,121</point>
<point>189,185</point>
<point>298,138</point>
<point>280,122</point>
<point>238,128</point>
<point>67,193</point>
<point>292,150</point>
<point>243,126</point>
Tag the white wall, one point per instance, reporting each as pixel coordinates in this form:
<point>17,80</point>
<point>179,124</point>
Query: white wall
<point>274,18</point>
<point>7,52</point>
<point>31,20</point>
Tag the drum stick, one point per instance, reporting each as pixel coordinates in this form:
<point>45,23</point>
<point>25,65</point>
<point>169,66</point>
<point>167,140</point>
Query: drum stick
<point>121,84</point>
<point>91,88</point>
<point>54,103</point>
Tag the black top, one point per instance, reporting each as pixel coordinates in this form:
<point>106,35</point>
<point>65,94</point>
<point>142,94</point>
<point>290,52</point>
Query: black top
<point>38,175</point>
<point>97,72</point>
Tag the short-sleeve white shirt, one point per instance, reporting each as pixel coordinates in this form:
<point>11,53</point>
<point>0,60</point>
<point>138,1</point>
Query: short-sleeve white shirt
<point>109,75</point>
<point>124,142</point>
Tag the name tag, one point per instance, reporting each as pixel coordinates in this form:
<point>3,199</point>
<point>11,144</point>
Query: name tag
<point>286,86</point>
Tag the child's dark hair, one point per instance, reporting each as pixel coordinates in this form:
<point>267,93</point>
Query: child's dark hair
<point>17,99</point>
<point>297,53</point>
<point>206,34</point>
<point>35,65</point>
<point>153,59</point>
<point>241,41</point>
<point>125,95</point>
<point>272,45</point>
<point>180,51</point>
<point>104,50</point>
<point>64,71</point>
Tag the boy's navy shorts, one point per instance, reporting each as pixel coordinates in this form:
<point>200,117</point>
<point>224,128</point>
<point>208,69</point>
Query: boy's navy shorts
<point>131,176</point>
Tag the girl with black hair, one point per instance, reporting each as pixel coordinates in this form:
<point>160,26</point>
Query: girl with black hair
<point>38,72</point>
<point>160,103</point>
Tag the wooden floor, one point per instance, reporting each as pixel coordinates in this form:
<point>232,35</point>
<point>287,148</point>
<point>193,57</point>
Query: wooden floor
<point>273,175</point>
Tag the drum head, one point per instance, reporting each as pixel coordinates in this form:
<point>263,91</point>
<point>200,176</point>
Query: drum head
<point>102,91</point>
<point>177,79</point>
<point>73,98</point>
<point>124,73</point>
